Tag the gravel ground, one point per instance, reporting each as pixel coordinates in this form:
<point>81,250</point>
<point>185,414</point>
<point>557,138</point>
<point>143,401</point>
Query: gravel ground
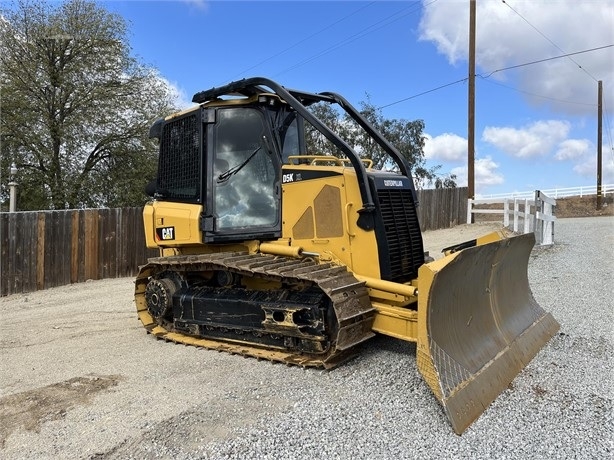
<point>81,379</point>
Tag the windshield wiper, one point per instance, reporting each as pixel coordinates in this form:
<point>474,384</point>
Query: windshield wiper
<point>223,177</point>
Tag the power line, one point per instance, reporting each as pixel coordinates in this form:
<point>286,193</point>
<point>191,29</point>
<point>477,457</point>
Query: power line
<point>501,70</point>
<point>545,60</point>
<point>367,30</point>
<point>543,35</point>
<point>588,104</point>
<point>303,40</point>
<point>424,92</point>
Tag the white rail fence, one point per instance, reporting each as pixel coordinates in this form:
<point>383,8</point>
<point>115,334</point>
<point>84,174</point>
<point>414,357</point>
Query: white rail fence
<point>528,215</point>
<point>557,192</point>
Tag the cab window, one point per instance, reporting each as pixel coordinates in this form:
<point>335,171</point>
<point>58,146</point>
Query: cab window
<point>244,173</point>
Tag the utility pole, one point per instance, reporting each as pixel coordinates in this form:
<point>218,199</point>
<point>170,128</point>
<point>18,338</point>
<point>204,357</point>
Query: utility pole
<point>471,107</point>
<point>599,136</point>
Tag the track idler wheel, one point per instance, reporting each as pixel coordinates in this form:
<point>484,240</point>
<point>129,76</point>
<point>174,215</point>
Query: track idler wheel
<point>159,297</point>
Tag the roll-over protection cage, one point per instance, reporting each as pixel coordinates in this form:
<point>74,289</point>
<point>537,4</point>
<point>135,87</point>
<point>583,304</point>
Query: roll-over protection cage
<point>299,100</point>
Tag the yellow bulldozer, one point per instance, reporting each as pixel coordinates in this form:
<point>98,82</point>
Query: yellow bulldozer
<point>270,251</point>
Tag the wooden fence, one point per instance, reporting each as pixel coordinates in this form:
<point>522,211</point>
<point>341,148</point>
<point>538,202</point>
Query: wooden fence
<point>43,249</point>
<point>442,207</point>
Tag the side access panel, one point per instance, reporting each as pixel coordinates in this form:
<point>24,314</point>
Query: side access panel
<point>171,224</point>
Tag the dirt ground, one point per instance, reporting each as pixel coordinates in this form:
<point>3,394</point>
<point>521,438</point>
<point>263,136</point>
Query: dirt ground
<point>75,386</point>
<point>436,240</point>
<point>64,373</point>
<point>575,206</point>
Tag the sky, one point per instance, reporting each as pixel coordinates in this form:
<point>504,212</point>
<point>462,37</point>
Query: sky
<point>538,64</point>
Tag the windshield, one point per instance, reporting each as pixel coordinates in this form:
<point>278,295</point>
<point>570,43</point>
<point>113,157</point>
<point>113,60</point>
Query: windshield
<point>244,172</point>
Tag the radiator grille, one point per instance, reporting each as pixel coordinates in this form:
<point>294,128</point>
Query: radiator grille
<point>405,250</point>
<point>179,163</point>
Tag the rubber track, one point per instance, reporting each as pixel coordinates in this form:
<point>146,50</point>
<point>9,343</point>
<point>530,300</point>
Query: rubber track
<point>349,297</point>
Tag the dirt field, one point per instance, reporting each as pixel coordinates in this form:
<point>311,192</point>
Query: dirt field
<point>586,206</point>
<point>80,379</point>
<point>76,358</point>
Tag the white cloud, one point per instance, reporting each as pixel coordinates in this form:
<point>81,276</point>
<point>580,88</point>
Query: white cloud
<point>607,171</point>
<point>537,139</point>
<point>529,32</point>
<point>461,175</point>
<point>573,148</point>
<point>485,174</point>
<point>199,4</point>
<point>445,147</point>
<point>588,169</point>
<point>181,99</point>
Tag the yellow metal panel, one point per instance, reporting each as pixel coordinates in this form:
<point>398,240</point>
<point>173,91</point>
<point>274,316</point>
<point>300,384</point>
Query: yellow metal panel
<point>313,212</point>
<point>328,212</point>
<point>491,238</point>
<point>364,247</point>
<point>397,322</point>
<point>169,224</point>
<point>320,215</point>
<point>148,222</point>
<point>304,227</point>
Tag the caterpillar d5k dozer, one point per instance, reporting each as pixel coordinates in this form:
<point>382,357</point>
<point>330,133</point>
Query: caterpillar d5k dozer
<point>270,251</point>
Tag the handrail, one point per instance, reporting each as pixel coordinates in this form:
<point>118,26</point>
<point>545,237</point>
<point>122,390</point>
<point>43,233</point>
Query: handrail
<point>250,86</point>
<point>314,159</point>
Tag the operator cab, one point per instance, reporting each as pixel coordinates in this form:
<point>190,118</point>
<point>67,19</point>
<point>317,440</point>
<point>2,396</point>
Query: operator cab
<point>226,155</point>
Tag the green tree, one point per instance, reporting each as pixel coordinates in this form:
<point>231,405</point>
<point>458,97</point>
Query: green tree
<point>406,136</point>
<point>76,106</point>
<point>317,144</point>
<point>448,181</point>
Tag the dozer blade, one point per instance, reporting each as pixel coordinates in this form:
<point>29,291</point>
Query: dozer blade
<point>478,325</point>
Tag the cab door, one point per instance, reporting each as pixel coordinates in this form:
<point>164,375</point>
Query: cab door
<point>243,186</point>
